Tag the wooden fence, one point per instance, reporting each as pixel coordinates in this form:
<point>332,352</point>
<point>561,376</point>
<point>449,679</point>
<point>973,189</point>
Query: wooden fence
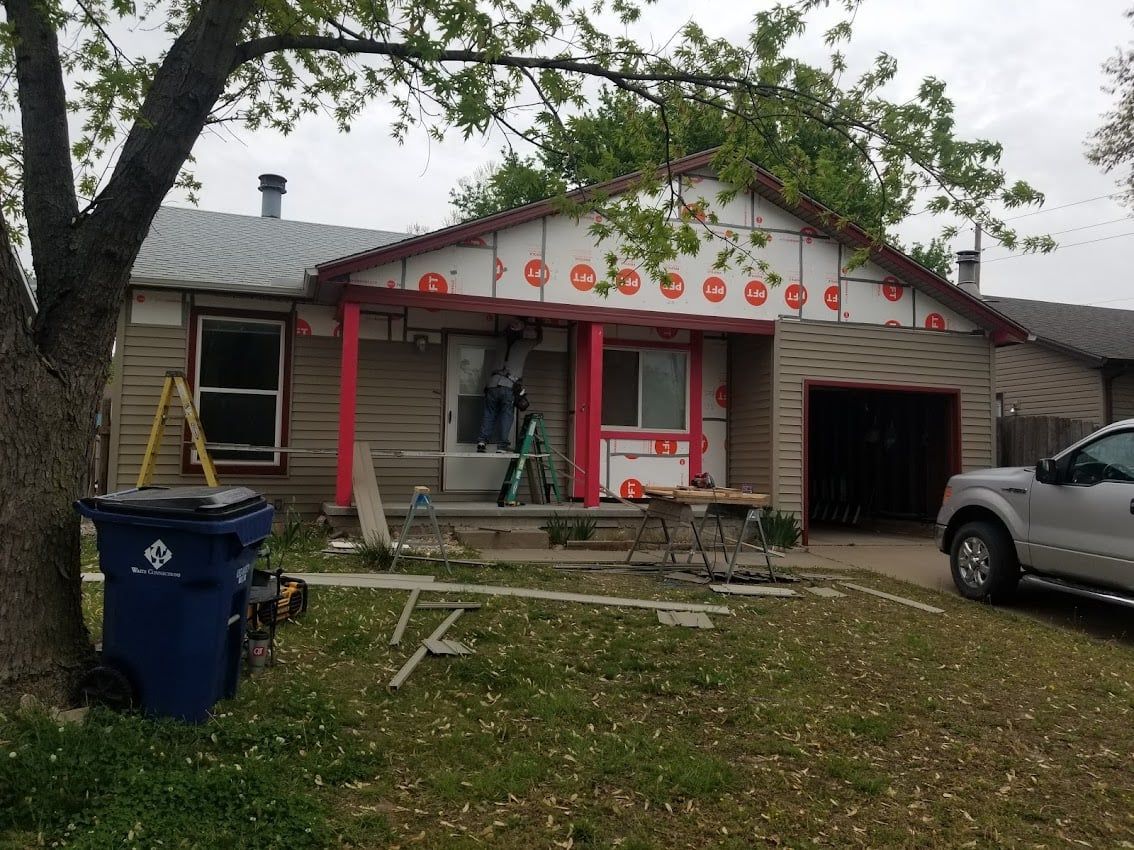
<point>1025,439</point>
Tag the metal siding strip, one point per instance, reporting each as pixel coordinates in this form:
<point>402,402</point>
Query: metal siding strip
<point>403,621</point>
<point>415,659</point>
<point>546,272</point>
<point>901,600</point>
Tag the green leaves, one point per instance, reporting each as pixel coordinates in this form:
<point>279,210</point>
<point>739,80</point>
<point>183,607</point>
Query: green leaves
<point>531,70</point>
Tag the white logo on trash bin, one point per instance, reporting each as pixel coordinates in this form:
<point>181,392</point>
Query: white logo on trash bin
<point>158,554</point>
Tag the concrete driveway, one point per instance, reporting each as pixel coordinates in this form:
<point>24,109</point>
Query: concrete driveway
<point>915,559</point>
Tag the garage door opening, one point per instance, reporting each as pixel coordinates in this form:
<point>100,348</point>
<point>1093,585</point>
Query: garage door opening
<point>878,453</point>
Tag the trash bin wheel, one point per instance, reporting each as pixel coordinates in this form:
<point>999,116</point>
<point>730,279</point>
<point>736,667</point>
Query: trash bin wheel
<point>107,687</point>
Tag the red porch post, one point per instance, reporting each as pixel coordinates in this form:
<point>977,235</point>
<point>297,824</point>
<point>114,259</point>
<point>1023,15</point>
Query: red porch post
<point>696,426</point>
<point>348,387</point>
<point>590,336</point>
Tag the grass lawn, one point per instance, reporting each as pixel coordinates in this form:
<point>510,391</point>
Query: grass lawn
<point>799,723</point>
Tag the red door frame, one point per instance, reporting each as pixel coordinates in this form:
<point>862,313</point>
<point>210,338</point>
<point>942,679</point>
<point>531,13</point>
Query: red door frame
<point>952,395</point>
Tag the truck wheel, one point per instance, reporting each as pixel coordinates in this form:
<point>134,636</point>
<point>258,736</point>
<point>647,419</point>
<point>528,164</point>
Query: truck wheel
<point>984,563</point>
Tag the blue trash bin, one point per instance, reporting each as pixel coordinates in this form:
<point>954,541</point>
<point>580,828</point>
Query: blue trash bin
<point>177,562</point>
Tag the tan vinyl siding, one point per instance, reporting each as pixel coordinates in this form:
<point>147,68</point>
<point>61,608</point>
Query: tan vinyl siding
<point>872,355</point>
<point>1122,396</point>
<point>400,401</point>
<point>750,411</point>
<point>546,377</point>
<point>1044,382</point>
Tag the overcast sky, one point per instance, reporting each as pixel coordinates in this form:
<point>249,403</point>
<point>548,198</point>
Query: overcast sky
<point>1023,72</point>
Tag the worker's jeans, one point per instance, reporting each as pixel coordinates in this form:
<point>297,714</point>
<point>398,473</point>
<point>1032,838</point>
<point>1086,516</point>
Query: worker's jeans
<point>498,414</point>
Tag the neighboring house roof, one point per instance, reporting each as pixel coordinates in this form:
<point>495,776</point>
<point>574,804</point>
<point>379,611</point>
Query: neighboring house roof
<point>1098,333</point>
<point>767,184</point>
<point>214,250</point>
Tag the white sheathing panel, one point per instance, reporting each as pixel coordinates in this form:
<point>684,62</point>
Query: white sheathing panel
<point>936,317</point>
<point>714,445</point>
<point>555,260</point>
<point>626,472</point>
<point>318,320</point>
<point>714,413</point>
<point>820,275</point>
<point>519,251</point>
<point>888,303</point>
<point>156,307</point>
<point>459,270</point>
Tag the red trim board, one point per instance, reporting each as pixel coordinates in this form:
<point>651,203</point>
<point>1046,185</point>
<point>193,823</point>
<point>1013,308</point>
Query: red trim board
<point>348,390</point>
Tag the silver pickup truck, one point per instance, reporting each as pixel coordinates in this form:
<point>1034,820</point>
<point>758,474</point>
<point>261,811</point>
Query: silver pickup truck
<point>1066,523</point>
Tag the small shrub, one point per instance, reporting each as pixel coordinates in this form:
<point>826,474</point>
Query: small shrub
<point>559,530</point>
<point>375,554</point>
<point>781,528</point>
<point>583,528</point>
<point>294,534</point>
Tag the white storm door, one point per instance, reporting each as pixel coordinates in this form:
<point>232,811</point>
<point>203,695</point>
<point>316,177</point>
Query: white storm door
<point>464,407</point>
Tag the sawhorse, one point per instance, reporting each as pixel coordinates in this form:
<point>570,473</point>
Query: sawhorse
<point>420,500</point>
<point>666,511</point>
<point>716,510</point>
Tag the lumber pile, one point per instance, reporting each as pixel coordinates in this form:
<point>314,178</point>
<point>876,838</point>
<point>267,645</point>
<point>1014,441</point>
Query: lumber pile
<point>707,495</point>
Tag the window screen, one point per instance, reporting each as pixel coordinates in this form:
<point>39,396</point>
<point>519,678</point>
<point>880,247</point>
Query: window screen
<point>240,385</point>
<point>663,390</point>
<point>644,389</point>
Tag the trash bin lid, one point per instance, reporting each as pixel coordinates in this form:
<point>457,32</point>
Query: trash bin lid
<point>185,502</point>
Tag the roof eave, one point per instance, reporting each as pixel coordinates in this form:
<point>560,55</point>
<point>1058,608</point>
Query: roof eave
<point>301,290</point>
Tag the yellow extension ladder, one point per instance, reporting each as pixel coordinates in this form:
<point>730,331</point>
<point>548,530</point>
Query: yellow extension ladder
<point>175,379</point>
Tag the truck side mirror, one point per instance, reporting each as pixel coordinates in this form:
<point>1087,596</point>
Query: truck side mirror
<point>1047,472</point>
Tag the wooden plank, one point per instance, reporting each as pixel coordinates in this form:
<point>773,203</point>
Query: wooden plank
<point>403,621</point>
<point>901,600</point>
<point>386,582</point>
<point>749,590</point>
<point>825,592</point>
<point>367,499</point>
<point>415,659</point>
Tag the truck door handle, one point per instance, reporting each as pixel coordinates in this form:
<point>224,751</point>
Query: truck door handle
<point>451,422</point>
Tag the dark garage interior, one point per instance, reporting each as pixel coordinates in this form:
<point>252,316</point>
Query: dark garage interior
<point>878,454</point>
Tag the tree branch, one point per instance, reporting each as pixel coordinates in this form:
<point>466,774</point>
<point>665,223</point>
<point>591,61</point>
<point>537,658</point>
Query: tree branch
<point>50,205</point>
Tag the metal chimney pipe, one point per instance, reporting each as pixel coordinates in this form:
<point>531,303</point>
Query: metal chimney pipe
<point>272,187</point>
<point>968,272</point>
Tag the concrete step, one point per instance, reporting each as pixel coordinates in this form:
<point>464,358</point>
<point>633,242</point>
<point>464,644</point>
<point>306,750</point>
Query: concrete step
<point>498,538</point>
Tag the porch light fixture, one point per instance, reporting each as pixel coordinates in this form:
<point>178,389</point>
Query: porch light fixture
<point>420,341</point>
<point>1014,408</point>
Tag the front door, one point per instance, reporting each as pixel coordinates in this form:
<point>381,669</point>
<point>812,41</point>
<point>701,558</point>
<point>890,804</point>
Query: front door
<point>464,406</point>
<point>1083,527</point>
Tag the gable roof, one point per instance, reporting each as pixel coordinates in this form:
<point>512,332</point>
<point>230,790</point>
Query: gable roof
<point>213,250</point>
<point>1002,328</point>
<point>1099,333</point>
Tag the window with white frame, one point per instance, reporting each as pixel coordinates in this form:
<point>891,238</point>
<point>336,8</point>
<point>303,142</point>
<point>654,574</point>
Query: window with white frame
<point>240,373</point>
<point>645,388</point>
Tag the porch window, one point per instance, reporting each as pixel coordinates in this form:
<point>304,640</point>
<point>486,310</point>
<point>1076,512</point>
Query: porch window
<point>240,370</point>
<point>645,388</point>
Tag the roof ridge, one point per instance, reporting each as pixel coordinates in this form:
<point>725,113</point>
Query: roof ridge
<point>175,208</point>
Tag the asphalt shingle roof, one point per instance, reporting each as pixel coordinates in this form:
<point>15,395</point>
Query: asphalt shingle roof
<point>225,250</point>
<point>1100,331</point>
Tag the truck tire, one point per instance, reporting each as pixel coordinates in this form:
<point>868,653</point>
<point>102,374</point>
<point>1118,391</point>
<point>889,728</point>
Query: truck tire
<point>984,564</point>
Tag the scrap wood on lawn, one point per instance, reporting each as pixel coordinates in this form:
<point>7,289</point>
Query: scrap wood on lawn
<point>809,722</point>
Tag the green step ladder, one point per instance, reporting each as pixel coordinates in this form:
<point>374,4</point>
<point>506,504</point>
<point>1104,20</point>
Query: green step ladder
<point>534,456</point>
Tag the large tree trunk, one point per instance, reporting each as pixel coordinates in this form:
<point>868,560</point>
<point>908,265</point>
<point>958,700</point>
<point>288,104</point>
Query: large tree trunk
<point>53,365</point>
<point>45,445</point>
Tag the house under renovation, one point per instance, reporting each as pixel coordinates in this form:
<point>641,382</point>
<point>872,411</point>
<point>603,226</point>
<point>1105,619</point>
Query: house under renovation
<point>842,388</point>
